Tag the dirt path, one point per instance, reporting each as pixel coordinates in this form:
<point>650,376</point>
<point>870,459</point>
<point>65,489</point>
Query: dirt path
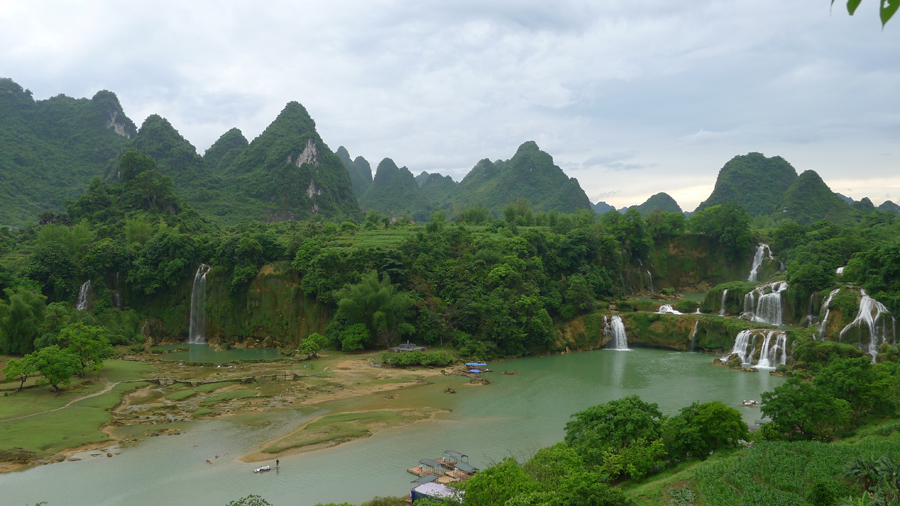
<point>109,386</point>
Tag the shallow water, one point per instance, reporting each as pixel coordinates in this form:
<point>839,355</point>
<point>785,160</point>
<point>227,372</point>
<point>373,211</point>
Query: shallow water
<point>514,415</point>
<point>204,353</point>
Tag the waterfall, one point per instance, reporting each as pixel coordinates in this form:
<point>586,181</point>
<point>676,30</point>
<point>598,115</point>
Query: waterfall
<point>650,277</point>
<point>827,307</point>
<point>198,307</point>
<point>868,306</point>
<point>758,260</point>
<point>81,302</point>
<point>772,352</point>
<point>839,271</point>
<point>694,335</point>
<point>667,308</point>
<point>765,307</point>
<point>698,310</point>
<point>616,329</point>
<point>722,306</point>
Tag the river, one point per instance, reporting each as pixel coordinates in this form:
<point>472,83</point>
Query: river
<point>514,415</point>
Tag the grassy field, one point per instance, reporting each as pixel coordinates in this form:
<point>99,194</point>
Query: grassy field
<point>49,426</point>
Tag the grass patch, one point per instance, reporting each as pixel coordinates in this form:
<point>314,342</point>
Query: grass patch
<point>181,395</point>
<point>203,412</point>
<point>227,396</point>
<point>340,427</point>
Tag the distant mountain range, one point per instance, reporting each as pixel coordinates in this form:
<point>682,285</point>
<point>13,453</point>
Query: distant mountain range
<point>51,149</point>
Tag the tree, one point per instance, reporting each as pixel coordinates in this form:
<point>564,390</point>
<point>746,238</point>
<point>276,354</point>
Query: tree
<point>20,320</point>
<point>498,484</point>
<point>612,426</point>
<point>311,345</point>
<point>702,428</point>
<point>53,268</point>
<point>20,370</point>
<point>250,500</point>
<point>886,11</point>
<point>57,366</point>
<point>87,344</point>
<point>355,337</point>
<point>378,306</point>
<point>727,223</point>
<point>800,410</point>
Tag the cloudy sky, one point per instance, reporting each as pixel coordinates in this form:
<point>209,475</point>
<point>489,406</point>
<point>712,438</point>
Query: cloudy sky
<point>632,97</point>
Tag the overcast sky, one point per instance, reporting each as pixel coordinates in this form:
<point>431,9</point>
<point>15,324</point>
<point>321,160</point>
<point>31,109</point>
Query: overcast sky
<point>632,97</point>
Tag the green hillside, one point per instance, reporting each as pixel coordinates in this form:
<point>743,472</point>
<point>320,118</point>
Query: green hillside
<point>887,205</point>
<point>754,181</point>
<point>223,152</point>
<point>394,192</point>
<point>50,149</point>
<point>359,170</point>
<point>809,200</point>
<point>287,173</point>
<point>661,201</point>
<point>530,175</point>
<point>437,188</point>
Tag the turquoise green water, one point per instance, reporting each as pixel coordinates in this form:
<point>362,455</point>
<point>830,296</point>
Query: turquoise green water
<point>204,353</point>
<point>514,415</point>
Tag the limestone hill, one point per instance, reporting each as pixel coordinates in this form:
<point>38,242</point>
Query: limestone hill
<point>754,181</point>
<point>809,200</point>
<point>437,188</point>
<point>394,192</point>
<point>661,201</point>
<point>359,170</point>
<point>223,152</point>
<point>288,172</point>
<point>530,174</point>
<point>50,149</point>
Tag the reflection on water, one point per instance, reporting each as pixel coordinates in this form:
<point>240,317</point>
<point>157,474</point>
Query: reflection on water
<point>514,415</point>
<point>204,353</point>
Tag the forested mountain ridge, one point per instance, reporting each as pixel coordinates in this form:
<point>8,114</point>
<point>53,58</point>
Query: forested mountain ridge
<point>288,172</point>
<point>226,148</point>
<point>809,199</point>
<point>359,170</point>
<point>662,201</point>
<point>754,181</point>
<point>530,174</point>
<point>437,188</point>
<point>394,192</point>
<point>50,149</point>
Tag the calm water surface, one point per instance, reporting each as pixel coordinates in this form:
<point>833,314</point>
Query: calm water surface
<point>514,415</point>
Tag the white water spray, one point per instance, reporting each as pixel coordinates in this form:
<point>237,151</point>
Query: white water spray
<point>758,260</point>
<point>722,305</point>
<point>616,331</point>
<point>81,302</point>
<point>198,307</point>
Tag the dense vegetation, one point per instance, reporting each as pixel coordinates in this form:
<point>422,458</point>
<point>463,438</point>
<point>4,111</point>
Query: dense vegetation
<point>753,181</point>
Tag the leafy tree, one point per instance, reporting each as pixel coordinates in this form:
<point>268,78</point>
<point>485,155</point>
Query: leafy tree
<point>20,370</point>
<point>134,163</point>
<point>727,223</point>
<point>856,381</point>
<point>57,366</point>
<point>800,410</point>
<point>886,11</point>
<point>702,428</point>
<point>636,459</point>
<point>87,344</point>
<point>53,268</point>
<point>378,306</point>
<point>498,484</point>
<point>250,500</point>
<point>610,427</point>
<point>355,337</point>
<point>20,320</point>
<point>164,261</point>
<point>312,344</point>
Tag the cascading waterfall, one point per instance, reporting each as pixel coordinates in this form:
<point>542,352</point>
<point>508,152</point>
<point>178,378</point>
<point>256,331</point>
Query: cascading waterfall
<point>694,334</point>
<point>765,307</point>
<point>758,260</point>
<point>616,331</point>
<point>868,306</point>
<point>667,308</point>
<point>650,277</point>
<point>827,307</point>
<point>772,351</point>
<point>722,305</point>
<point>839,271</point>
<point>81,302</point>
<point>198,307</point>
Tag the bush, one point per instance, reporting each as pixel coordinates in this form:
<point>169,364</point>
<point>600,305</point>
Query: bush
<point>439,358</point>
